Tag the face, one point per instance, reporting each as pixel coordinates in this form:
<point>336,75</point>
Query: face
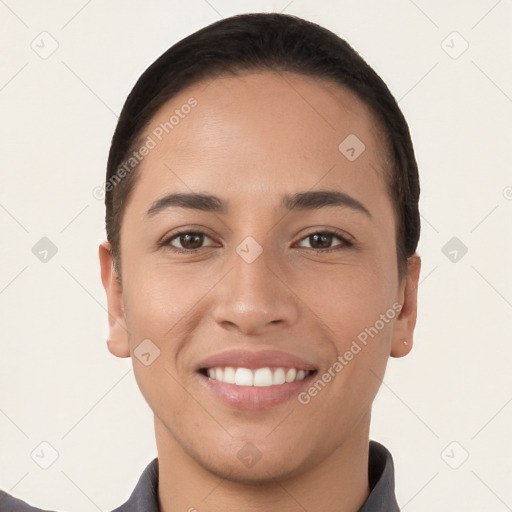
<point>292,251</point>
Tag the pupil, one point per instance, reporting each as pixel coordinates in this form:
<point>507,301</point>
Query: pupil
<point>325,238</point>
<point>185,240</point>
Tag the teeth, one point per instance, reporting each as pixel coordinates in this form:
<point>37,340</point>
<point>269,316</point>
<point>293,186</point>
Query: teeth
<point>243,377</point>
<point>291,374</point>
<point>229,375</point>
<point>261,377</point>
<point>279,377</point>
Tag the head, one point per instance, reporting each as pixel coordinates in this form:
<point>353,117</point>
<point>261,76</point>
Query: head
<point>270,127</point>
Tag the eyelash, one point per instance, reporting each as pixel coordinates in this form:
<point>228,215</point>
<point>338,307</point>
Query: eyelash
<point>345,242</point>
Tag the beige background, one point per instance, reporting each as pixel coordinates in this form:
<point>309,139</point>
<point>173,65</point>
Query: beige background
<point>59,384</point>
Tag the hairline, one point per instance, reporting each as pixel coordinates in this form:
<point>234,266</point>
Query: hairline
<point>383,143</point>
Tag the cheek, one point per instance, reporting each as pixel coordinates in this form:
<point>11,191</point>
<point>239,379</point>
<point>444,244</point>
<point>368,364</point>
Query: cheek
<point>162,391</point>
<point>355,309</point>
<point>356,314</point>
<point>165,305</point>
<point>159,304</point>
<point>157,298</point>
<point>347,299</point>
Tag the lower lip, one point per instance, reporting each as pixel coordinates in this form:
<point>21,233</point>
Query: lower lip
<point>255,397</point>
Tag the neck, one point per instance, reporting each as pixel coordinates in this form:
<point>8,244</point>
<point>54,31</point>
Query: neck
<point>339,482</point>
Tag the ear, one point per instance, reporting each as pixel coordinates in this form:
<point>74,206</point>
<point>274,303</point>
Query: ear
<point>406,320</point>
<point>118,342</point>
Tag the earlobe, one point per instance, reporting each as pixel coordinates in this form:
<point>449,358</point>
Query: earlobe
<point>402,349</point>
<point>118,342</point>
<point>406,321</point>
<point>118,348</point>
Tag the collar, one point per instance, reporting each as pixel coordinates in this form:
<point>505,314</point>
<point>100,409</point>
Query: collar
<point>381,477</point>
<point>144,497</point>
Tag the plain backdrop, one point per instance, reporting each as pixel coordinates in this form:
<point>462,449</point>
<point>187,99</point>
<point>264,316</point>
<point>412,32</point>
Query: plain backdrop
<point>444,411</point>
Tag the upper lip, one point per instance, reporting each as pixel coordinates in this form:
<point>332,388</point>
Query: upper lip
<point>241,358</point>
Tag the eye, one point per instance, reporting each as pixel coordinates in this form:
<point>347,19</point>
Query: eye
<point>190,241</point>
<point>321,241</point>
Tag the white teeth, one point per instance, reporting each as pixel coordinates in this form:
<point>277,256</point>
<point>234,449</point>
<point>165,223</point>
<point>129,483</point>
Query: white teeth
<point>229,375</point>
<point>291,374</point>
<point>279,376</point>
<point>261,377</point>
<point>243,377</point>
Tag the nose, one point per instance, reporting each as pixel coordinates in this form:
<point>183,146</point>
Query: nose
<point>255,297</point>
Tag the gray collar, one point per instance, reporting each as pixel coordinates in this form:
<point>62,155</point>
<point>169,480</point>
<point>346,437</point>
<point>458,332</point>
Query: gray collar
<point>144,497</point>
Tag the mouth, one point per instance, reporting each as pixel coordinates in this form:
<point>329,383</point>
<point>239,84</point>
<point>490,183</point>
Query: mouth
<point>254,389</point>
<point>258,377</point>
<point>254,379</point>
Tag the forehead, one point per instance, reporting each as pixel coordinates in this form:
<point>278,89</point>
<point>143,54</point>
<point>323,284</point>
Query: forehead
<point>262,131</point>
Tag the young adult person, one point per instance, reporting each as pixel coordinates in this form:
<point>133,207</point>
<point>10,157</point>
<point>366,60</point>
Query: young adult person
<point>260,267</point>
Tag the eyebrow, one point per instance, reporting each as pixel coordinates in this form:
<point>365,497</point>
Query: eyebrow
<point>310,200</point>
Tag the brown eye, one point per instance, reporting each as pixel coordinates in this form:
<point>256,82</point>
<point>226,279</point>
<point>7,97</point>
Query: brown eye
<point>321,241</point>
<point>188,241</point>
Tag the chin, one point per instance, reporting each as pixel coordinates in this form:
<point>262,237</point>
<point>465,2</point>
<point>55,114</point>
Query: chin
<point>251,463</point>
<point>264,471</point>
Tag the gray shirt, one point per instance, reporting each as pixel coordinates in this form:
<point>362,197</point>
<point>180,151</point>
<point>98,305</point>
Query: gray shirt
<point>144,497</point>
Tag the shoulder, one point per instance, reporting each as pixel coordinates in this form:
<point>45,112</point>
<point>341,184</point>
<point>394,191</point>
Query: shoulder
<point>144,497</point>
<point>9,503</point>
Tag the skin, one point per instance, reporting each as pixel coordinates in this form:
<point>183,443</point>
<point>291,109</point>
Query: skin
<point>250,140</point>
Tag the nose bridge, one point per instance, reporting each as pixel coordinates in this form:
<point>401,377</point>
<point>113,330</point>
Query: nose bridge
<point>253,295</point>
<point>252,277</point>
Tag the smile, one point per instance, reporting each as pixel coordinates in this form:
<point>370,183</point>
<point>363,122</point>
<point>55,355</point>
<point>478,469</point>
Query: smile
<point>259,377</point>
